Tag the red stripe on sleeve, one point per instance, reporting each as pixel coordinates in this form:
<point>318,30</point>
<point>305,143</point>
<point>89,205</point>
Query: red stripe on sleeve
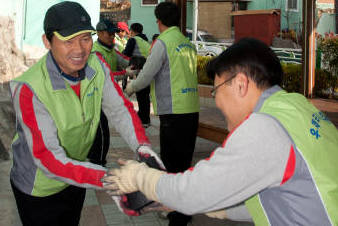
<point>139,130</point>
<point>122,55</point>
<point>118,73</point>
<point>290,166</point>
<point>79,174</point>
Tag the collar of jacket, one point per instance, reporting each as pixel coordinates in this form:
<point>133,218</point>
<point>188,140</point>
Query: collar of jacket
<point>56,75</point>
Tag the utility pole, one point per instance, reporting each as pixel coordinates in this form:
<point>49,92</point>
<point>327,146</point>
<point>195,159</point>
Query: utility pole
<point>195,22</point>
<point>309,48</point>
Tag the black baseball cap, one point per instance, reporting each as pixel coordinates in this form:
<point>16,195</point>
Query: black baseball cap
<point>106,25</point>
<point>67,20</point>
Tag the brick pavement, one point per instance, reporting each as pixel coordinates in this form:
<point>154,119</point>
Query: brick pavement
<point>99,209</point>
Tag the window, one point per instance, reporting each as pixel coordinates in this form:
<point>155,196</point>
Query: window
<point>149,2</point>
<point>292,5</point>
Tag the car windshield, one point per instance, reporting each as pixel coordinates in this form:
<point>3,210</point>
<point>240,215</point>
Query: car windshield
<point>208,38</point>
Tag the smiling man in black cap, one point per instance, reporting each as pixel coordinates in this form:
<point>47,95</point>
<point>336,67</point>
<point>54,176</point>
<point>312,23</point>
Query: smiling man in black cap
<point>57,104</point>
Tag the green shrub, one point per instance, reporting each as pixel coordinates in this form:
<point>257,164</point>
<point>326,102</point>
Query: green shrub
<point>201,70</point>
<point>328,46</point>
<point>324,80</point>
<point>292,77</point>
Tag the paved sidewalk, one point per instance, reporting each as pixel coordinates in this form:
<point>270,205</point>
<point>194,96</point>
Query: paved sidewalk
<point>99,209</point>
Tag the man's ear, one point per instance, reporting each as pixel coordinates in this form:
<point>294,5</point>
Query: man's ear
<point>46,42</point>
<point>242,84</point>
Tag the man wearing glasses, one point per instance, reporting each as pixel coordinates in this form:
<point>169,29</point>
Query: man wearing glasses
<point>276,167</point>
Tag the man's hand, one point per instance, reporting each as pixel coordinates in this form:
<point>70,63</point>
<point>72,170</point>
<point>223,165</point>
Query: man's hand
<point>122,203</point>
<point>129,89</point>
<point>219,214</point>
<point>123,180</point>
<point>130,177</point>
<point>131,73</point>
<point>146,152</point>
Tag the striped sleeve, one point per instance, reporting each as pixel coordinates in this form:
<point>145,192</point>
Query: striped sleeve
<point>152,66</point>
<point>120,112</point>
<point>41,136</point>
<point>253,157</point>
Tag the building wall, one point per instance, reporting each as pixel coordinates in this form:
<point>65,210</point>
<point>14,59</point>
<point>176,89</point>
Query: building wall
<point>293,19</point>
<point>29,15</point>
<point>326,24</point>
<point>289,19</point>
<point>215,18</point>
<point>144,15</point>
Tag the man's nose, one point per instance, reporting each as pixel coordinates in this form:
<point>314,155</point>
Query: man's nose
<point>78,46</point>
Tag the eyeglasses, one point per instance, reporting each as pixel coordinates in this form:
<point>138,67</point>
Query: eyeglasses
<point>213,91</point>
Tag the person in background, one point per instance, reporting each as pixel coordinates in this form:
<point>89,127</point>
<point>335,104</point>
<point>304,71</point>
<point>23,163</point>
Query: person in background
<point>117,63</point>
<point>171,69</point>
<point>138,46</point>
<point>121,37</point>
<point>106,31</point>
<point>57,104</point>
<point>277,166</point>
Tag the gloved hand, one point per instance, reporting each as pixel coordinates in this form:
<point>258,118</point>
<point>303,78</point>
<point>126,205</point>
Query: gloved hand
<point>131,73</point>
<point>146,152</point>
<point>122,205</point>
<point>219,214</point>
<point>130,177</point>
<point>129,89</point>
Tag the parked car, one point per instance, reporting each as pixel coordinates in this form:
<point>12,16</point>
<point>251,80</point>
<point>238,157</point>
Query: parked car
<point>206,44</point>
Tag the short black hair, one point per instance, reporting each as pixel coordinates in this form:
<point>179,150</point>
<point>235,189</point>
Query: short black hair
<point>168,13</point>
<point>137,27</point>
<point>49,36</point>
<point>251,57</point>
<point>155,37</point>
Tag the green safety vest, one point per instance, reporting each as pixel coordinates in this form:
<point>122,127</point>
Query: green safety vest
<point>296,115</point>
<point>143,46</point>
<point>183,73</point>
<point>76,119</point>
<point>108,54</point>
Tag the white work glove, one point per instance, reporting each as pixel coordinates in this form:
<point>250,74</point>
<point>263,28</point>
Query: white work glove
<point>129,89</point>
<point>130,177</point>
<point>219,214</point>
<point>146,152</point>
<point>131,73</point>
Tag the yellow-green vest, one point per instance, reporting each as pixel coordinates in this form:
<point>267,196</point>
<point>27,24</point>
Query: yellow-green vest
<point>143,46</point>
<point>76,119</point>
<point>108,54</point>
<point>183,73</point>
<point>316,138</point>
